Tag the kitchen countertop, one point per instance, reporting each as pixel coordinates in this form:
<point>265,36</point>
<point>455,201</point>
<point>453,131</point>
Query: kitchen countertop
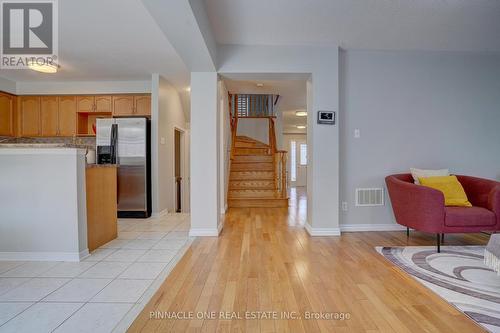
<point>41,149</point>
<point>40,145</point>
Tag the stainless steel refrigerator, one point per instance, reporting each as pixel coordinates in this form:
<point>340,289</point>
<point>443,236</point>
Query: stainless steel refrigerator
<point>127,142</point>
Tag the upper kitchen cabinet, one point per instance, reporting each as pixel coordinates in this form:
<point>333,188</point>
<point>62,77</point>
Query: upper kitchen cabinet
<point>29,112</point>
<point>142,105</point>
<point>67,115</point>
<point>7,103</point>
<point>99,103</point>
<point>103,104</point>
<point>89,109</point>
<point>131,105</point>
<point>49,106</point>
<point>85,103</point>
<point>123,105</point>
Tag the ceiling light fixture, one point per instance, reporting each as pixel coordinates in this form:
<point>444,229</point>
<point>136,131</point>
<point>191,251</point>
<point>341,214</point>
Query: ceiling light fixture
<point>301,126</point>
<point>188,89</point>
<point>45,67</point>
<point>301,113</point>
<point>260,85</point>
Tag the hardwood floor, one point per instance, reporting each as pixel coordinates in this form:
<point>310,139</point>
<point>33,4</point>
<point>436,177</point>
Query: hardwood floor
<point>265,261</point>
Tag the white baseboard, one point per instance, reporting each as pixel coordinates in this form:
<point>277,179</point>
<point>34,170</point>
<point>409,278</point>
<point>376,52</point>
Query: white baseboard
<point>220,226</point>
<point>371,227</point>
<point>84,254</point>
<point>223,209</point>
<point>322,231</point>
<point>207,232</point>
<point>204,232</point>
<point>44,256</point>
<point>158,214</point>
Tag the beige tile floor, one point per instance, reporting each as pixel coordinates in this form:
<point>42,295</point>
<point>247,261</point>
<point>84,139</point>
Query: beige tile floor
<point>103,293</point>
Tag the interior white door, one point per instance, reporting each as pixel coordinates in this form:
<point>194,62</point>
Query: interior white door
<point>298,163</point>
<point>301,163</point>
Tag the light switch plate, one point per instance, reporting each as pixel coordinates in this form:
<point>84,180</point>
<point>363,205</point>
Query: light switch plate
<point>162,140</point>
<point>357,133</point>
<point>344,206</point>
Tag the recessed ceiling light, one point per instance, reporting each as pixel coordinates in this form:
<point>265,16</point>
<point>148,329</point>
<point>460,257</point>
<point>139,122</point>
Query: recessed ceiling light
<point>260,85</point>
<point>301,113</point>
<point>301,126</point>
<point>43,67</point>
<point>188,89</point>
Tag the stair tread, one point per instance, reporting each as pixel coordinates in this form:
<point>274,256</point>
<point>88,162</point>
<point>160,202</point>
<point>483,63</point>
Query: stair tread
<point>253,194</point>
<point>250,175</point>
<point>244,144</point>
<point>253,162</point>
<point>265,184</point>
<point>250,171</point>
<point>246,139</point>
<point>253,158</point>
<point>252,167</point>
<point>254,199</point>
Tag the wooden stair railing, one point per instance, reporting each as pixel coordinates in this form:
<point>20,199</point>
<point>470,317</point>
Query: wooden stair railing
<point>233,120</point>
<point>254,105</point>
<point>279,161</point>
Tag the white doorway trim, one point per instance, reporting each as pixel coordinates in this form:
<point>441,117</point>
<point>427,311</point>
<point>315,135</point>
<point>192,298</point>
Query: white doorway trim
<point>184,171</point>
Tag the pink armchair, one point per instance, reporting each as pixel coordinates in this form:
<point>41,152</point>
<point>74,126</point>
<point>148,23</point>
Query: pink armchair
<point>422,208</point>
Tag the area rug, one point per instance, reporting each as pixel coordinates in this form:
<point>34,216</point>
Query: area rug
<point>457,274</point>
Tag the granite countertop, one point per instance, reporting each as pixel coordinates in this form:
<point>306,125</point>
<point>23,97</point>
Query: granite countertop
<point>41,145</point>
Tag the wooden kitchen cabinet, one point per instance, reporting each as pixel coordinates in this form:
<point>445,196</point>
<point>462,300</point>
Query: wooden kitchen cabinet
<point>49,115</point>
<point>7,103</point>
<point>67,115</point>
<point>49,108</point>
<point>99,103</point>
<point>142,105</point>
<point>123,105</point>
<point>29,110</point>
<point>85,103</point>
<point>103,104</point>
<point>131,105</point>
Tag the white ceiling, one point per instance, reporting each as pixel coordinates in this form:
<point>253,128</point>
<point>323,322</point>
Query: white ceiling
<point>109,40</point>
<point>292,97</point>
<point>452,25</point>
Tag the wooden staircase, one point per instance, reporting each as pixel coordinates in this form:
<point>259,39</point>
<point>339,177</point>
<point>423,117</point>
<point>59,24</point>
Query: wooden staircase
<point>253,180</point>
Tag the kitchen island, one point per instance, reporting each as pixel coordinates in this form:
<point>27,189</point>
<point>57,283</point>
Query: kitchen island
<point>43,212</point>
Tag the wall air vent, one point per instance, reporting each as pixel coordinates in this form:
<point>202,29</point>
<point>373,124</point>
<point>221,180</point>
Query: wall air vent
<point>366,197</point>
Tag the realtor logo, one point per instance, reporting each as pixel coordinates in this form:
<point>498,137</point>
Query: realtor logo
<point>29,33</point>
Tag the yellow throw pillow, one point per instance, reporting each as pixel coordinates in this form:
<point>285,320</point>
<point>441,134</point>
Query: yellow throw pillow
<point>454,194</point>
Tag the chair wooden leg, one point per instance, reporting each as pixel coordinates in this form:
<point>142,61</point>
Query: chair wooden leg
<point>442,238</point>
<point>438,243</point>
<point>407,232</point>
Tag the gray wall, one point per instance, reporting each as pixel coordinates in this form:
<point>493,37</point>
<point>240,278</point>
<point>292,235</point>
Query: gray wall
<point>254,128</point>
<point>415,109</point>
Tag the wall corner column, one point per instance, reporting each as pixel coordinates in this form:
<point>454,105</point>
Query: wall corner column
<point>204,152</point>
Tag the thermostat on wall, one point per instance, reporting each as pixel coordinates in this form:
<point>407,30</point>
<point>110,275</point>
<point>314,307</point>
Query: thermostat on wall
<point>326,117</point>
